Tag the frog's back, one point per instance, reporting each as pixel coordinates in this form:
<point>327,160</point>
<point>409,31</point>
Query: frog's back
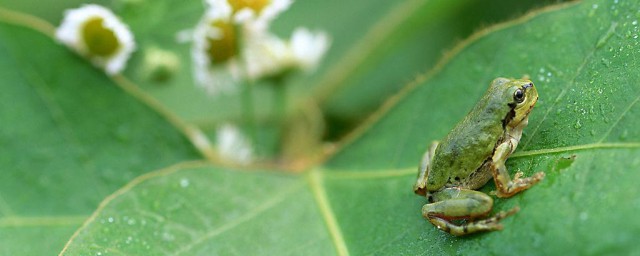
<point>467,146</point>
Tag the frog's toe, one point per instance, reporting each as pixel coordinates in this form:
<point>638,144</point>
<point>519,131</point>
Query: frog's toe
<point>518,175</point>
<point>485,225</point>
<point>499,216</point>
<point>502,215</point>
<point>538,176</point>
<point>529,181</point>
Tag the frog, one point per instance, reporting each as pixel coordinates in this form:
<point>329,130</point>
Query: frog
<point>475,151</point>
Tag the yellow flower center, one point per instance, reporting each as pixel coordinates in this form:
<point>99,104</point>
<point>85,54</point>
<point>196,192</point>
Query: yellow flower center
<point>98,39</point>
<point>224,48</point>
<point>255,5</point>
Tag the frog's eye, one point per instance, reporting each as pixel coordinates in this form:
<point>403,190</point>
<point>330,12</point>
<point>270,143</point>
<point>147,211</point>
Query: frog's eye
<point>518,96</point>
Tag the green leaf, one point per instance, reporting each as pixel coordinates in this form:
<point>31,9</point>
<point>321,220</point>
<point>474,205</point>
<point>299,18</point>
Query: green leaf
<point>69,138</point>
<point>51,11</point>
<point>165,213</point>
<point>582,134</point>
<point>587,111</point>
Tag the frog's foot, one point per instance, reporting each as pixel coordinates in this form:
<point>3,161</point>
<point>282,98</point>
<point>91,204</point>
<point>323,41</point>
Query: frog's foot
<point>462,204</point>
<point>466,228</point>
<point>518,184</point>
<point>488,224</point>
<point>506,186</point>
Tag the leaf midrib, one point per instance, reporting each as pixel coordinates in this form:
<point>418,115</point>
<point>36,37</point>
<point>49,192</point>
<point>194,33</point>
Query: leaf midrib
<point>315,180</point>
<point>411,171</point>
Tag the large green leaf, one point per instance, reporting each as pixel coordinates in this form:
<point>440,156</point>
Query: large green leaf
<point>73,137</point>
<point>69,138</point>
<point>582,134</point>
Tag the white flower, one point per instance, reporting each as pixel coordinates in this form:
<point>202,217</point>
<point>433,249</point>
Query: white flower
<point>268,55</point>
<point>215,50</point>
<point>308,48</point>
<point>233,145</point>
<point>96,33</point>
<point>259,13</point>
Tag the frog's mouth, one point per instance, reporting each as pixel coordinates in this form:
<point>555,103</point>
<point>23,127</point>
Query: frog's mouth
<point>532,105</point>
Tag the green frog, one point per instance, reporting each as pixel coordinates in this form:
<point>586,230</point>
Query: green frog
<point>471,154</point>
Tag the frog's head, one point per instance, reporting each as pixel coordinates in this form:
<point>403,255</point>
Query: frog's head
<point>521,96</point>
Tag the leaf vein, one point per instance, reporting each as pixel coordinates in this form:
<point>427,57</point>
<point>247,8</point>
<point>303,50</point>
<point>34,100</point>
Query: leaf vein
<point>560,96</point>
<point>278,198</point>
<point>361,49</point>
<point>576,148</point>
<point>382,174</point>
<point>606,134</point>
<point>320,196</point>
<point>198,139</point>
<point>21,221</point>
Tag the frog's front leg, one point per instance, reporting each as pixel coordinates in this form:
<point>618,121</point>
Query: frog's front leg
<point>455,203</point>
<point>505,185</point>
<point>420,187</point>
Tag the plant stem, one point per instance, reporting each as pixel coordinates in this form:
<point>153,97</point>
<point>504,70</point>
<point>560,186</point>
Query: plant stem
<point>280,110</point>
<point>249,111</point>
<point>280,102</point>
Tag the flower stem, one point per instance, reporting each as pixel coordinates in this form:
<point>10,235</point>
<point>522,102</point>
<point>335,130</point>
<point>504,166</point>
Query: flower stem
<point>280,103</point>
<point>280,111</point>
<point>249,111</point>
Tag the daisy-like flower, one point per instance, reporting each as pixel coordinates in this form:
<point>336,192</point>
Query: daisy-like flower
<point>215,50</point>
<point>270,56</point>
<point>258,13</point>
<point>232,144</point>
<point>97,34</point>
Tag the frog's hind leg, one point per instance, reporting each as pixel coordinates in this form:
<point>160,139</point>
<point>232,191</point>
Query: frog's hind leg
<point>454,204</point>
<point>420,187</point>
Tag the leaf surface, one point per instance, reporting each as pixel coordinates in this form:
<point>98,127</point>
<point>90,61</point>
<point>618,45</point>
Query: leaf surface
<point>198,209</point>
<point>69,138</point>
<point>581,134</point>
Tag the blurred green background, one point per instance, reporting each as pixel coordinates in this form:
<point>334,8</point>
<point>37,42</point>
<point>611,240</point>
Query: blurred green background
<point>377,48</point>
